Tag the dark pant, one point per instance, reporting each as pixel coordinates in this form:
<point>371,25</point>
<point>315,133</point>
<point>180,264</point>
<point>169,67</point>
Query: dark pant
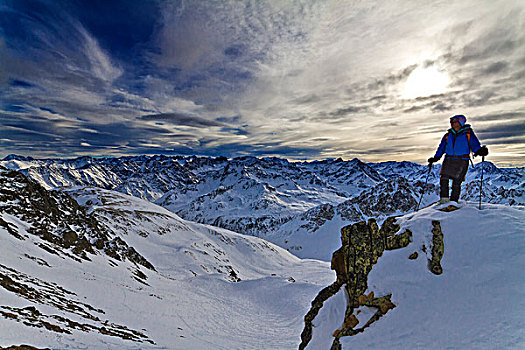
<point>455,170</point>
<point>456,188</point>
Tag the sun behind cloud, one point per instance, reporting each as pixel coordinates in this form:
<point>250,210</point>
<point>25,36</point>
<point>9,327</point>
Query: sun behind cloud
<point>426,81</point>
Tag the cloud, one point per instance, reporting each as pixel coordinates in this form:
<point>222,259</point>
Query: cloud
<point>302,78</point>
<point>101,65</point>
<point>182,119</point>
<point>504,130</point>
<point>501,116</point>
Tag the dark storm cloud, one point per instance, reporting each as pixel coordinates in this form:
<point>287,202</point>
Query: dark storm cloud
<point>230,120</point>
<point>182,119</point>
<point>496,67</point>
<point>506,141</point>
<point>50,137</point>
<point>501,116</point>
<point>243,149</point>
<point>15,135</point>
<point>502,131</point>
<point>21,83</point>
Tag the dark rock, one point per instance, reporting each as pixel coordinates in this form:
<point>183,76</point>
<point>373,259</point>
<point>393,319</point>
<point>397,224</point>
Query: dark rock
<point>390,196</point>
<point>363,243</point>
<point>51,214</point>
<point>23,347</point>
<point>316,217</point>
<point>438,249</point>
<point>70,238</point>
<point>449,208</point>
<point>317,304</point>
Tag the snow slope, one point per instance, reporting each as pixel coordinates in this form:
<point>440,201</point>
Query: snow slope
<point>188,301</point>
<point>477,303</point>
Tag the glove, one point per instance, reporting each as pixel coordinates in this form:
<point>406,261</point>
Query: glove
<point>483,151</point>
<point>433,159</point>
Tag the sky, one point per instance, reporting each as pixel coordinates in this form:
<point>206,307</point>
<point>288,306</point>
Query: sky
<point>301,80</point>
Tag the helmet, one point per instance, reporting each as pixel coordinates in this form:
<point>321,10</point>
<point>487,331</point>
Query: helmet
<point>460,118</point>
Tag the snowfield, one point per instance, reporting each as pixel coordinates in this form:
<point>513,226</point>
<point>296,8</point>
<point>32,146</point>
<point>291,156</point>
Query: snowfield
<point>189,302</point>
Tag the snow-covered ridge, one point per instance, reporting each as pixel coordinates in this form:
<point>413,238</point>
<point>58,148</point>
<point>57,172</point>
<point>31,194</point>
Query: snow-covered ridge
<point>475,302</point>
<point>211,288</point>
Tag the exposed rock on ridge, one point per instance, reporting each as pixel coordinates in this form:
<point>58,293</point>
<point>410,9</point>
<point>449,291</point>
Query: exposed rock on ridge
<point>438,249</point>
<point>65,227</point>
<point>362,245</point>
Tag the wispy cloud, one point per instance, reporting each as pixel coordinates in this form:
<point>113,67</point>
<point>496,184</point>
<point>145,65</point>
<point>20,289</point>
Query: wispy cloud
<point>101,65</point>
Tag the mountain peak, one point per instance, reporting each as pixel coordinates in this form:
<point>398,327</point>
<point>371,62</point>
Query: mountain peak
<point>18,157</point>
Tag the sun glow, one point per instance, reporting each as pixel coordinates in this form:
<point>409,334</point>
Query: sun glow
<point>426,81</point>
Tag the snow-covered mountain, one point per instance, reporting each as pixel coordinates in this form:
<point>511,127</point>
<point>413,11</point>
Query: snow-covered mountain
<point>281,201</point>
<point>94,268</point>
<point>86,267</point>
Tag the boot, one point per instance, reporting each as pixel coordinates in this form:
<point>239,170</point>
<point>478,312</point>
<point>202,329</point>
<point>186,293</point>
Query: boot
<point>444,200</point>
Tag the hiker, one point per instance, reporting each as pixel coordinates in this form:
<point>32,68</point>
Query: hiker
<point>457,144</point>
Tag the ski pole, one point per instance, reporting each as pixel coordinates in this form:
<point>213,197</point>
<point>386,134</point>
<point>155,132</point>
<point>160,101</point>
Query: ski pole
<point>481,183</point>
<point>424,188</point>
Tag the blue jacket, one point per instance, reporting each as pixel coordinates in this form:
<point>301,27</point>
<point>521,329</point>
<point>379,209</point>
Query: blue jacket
<point>456,144</point>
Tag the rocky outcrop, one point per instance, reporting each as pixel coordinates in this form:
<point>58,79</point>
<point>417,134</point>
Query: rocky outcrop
<point>438,249</point>
<point>390,196</point>
<point>65,227</point>
<point>316,217</point>
<point>23,347</point>
<point>362,245</point>
<point>77,315</point>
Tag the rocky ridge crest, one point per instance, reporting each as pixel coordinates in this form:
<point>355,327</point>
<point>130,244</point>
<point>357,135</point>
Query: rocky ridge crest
<point>65,228</point>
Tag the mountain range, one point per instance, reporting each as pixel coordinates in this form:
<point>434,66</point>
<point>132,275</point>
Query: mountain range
<point>95,268</point>
<point>272,198</point>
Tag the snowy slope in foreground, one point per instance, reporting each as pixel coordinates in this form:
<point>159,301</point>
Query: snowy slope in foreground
<point>477,303</point>
<point>188,302</point>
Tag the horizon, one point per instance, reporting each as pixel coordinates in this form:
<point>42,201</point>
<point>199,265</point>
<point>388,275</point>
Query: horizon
<point>297,80</point>
<point>97,157</point>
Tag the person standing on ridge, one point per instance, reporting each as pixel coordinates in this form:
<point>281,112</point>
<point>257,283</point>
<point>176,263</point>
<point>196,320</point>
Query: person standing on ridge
<point>456,144</point>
